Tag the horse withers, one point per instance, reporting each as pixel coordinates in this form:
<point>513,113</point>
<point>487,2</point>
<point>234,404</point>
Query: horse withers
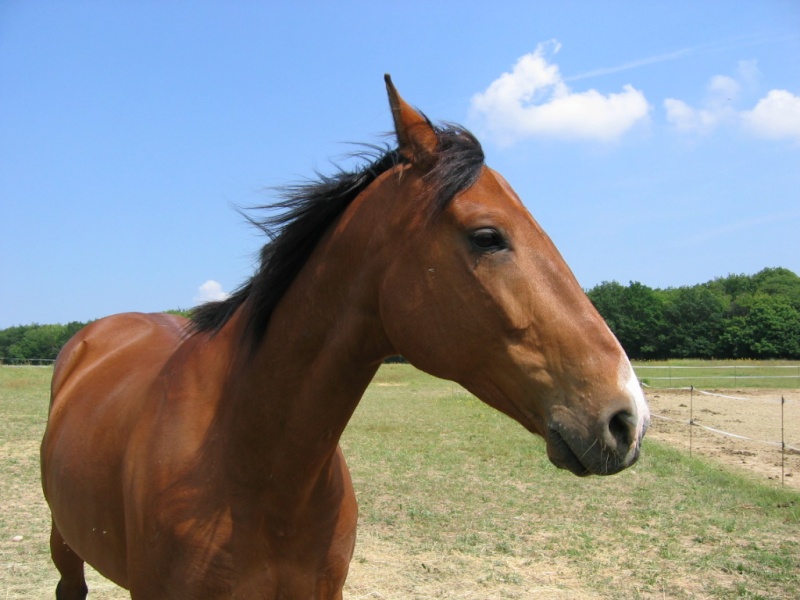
<point>200,459</point>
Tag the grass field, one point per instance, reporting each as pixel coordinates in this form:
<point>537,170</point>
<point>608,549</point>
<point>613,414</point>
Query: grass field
<point>712,374</point>
<point>457,501</point>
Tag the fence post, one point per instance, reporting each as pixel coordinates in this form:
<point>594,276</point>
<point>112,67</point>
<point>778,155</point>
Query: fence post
<point>783,443</point>
<point>691,417</point>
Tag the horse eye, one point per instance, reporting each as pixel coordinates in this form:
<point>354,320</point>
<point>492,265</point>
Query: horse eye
<point>488,240</point>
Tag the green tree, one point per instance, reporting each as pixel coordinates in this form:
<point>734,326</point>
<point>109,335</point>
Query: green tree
<point>35,341</point>
<point>10,337</point>
<point>763,327</point>
<point>43,341</point>
<point>607,299</point>
<point>635,315</point>
<point>733,286</point>
<point>694,319</point>
<point>779,283</point>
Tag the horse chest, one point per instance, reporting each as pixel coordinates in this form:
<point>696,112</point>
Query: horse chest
<point>245,549</point>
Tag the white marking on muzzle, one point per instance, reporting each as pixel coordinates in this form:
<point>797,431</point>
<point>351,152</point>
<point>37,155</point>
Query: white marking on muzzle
<point>640,412</point>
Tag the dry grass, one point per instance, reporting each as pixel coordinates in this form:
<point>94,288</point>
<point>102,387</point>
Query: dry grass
<point>457,501</point>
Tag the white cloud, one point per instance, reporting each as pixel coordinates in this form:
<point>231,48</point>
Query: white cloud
<point>210,291</point>
<point>722,91</point>
<point>775,116</point>
<point>695,120</point>
<point>533,100</point>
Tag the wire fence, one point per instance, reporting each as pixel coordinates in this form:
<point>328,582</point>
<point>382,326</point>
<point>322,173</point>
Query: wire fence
<point>27,362</point>
<point>725,376</point>
<point>781,426</point>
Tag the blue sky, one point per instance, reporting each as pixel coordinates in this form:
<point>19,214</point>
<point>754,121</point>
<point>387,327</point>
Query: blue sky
<point>654,141</point>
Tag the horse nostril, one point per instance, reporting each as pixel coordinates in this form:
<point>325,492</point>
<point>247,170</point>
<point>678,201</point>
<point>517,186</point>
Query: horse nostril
<point>622,428</point>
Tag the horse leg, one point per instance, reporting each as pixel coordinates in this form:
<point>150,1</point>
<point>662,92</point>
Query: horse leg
<point>72,585</point>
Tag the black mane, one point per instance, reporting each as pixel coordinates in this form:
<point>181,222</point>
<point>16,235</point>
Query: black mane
<point>307,210</point>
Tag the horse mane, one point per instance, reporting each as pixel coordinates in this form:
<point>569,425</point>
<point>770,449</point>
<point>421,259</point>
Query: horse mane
<point>295,224</point>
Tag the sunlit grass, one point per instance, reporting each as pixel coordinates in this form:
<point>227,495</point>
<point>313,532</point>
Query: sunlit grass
<point>439,474</point>
<point>457,477</point>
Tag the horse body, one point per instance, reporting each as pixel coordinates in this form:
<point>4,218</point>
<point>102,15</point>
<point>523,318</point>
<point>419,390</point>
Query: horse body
<point>169,507</point>
<point>206,464</point>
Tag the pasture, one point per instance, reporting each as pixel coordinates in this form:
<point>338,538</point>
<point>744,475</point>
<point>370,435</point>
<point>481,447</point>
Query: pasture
<point>725,374</point>
<point>458,501</point>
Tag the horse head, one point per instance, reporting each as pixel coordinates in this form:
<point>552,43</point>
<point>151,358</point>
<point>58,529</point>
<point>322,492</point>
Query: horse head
<point>476,292</point>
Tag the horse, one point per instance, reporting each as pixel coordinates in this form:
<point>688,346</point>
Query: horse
<point>200,458</point>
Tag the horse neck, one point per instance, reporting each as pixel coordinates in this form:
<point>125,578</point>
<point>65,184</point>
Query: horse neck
<point>293,398</point>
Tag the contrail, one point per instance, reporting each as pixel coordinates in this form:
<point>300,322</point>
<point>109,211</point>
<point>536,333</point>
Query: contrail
<point>633,64</point>
<point>719,46</point>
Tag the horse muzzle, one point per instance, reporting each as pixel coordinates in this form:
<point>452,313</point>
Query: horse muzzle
<point>613,445</point>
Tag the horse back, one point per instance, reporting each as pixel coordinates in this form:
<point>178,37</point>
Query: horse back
<point>106,343</point>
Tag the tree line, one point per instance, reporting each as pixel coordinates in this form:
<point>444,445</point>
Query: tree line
<point>738,316</point>
<point>40,342</point>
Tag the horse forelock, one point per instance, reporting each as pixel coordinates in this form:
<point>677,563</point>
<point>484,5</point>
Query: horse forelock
<point>295,224</point>
<point>458,165</point>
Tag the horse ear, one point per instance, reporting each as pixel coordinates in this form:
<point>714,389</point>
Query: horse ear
<point>415,134</point>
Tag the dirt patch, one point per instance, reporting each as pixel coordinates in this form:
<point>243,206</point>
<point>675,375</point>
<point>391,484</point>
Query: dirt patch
<point>381,570</point>
<point>751,422</point>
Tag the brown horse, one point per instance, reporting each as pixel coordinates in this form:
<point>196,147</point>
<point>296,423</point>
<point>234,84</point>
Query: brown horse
<point>203,461</point>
